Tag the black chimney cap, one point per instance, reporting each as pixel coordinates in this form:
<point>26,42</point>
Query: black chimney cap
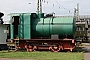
<point>1,14</point>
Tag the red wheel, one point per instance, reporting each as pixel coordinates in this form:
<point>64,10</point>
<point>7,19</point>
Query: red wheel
<point>55,48</point>
<point>29,48</point>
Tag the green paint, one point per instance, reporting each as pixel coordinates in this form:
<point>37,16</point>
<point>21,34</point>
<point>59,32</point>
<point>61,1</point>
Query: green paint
<point>50,26</point>
<point>24,27</point>
<point>11,29</point>
<point>31,26</point>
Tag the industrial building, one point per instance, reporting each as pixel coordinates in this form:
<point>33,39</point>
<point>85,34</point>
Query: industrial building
<point>3,32</point>
<point>83,27</point>
<point>3,36</point>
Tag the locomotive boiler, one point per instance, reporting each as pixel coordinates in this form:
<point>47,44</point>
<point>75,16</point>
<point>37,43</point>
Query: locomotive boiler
<point>64,27</point>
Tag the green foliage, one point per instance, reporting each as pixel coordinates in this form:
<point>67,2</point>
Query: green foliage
<point>43,55</point>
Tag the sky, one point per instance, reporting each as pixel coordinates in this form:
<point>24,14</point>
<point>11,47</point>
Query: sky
<point>59,7</point>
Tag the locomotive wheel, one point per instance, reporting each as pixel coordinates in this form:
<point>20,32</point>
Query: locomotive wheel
<point>29,48</point>
<point>55,48</point>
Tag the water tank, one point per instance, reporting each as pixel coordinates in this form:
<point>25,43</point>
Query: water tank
<point>62,26</point>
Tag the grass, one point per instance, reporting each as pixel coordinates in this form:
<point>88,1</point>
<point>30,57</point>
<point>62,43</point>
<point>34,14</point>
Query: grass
<point>43,55</point>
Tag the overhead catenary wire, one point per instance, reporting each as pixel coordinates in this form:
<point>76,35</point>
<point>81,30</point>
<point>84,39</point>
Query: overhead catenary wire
<point>63,7</point>
<point>58,4</point>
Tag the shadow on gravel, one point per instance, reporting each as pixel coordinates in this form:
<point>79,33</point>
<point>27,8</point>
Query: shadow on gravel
<point>81,49</point>
<point>84,48</point>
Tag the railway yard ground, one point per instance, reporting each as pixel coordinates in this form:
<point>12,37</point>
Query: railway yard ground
<point>87,51</point>
<point>82,53</point>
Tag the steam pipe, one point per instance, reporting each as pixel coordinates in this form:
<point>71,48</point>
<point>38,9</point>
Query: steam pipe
<point>38,6</point>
